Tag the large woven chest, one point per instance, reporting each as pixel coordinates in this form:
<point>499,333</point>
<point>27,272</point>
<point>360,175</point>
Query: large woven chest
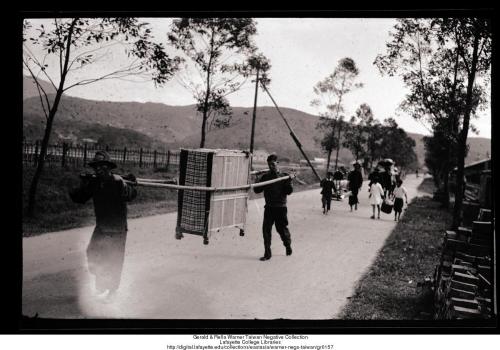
<point>204,212</point>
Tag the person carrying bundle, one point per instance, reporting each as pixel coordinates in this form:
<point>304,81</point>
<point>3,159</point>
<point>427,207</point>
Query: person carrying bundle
<point>106,249</point>
<point>275,210</point>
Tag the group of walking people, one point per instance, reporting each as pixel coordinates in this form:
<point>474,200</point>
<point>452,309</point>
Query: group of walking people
<point>383,186</point>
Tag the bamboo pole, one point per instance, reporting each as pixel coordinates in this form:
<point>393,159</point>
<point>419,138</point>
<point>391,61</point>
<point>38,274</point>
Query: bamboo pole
<point>209,189</point>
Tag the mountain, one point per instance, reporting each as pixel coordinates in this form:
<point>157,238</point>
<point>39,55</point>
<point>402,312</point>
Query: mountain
<point>30,89</point>
<point>167,124</point>
<point>135,124</point>
<point>479,149</point>
<point>271,132</point>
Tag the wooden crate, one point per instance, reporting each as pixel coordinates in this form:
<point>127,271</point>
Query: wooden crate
<point>206,212</point>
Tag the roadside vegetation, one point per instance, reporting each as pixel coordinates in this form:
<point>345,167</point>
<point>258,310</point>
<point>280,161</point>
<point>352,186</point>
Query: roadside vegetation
<point>393,288</point>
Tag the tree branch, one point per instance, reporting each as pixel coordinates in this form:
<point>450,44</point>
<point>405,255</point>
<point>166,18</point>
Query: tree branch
<point>40,91</point>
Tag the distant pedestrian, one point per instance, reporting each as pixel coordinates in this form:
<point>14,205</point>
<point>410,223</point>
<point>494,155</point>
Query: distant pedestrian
<point>275,210</point>
<point>374,174</point>
<point>376,196</point>
<point>328,189</point>
<point>399,193</point>
<point>416,172</point>
<point>338,176</point>
<point>106,249</point>
<point>355,179</point>
<point>387,180</point>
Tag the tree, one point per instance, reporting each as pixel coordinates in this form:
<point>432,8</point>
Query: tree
<point>373,131</point>
<point>331,92</point>
<point>438,160</point>
<point>218,49</point>
<point>472,38</point>
<point>355,134</point>
<point>397,145</point>
<point>439,60</point>
<point>77,44</point>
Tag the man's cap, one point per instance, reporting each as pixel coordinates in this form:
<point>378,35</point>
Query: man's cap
<point>101,158</point>
<point>272,158</point>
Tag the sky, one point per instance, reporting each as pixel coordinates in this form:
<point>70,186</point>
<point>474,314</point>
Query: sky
<point>302,51</point>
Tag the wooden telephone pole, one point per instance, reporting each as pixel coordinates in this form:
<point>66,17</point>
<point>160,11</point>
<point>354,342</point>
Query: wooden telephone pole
<point>254,110</point>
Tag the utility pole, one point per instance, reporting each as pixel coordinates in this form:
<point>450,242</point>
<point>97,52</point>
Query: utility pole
<point>254,110</point>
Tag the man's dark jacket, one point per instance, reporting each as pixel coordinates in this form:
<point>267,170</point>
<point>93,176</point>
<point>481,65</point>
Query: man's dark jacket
<point>328,188</point>
<point>355,180</point>
<point>110,197</point>
<point>275,193</point>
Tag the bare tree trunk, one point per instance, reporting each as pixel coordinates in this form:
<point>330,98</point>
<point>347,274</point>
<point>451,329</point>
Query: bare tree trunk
<point>205,103</point>
<point>205,115</point>
<point>462,147</point>
<point>42,156</point>
<point>446,193</point>
<point>328,161</point>
<point>453,129</point>
<point>338,148</point>
<point>48,128</point>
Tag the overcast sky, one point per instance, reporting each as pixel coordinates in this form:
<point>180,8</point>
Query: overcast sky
<point>302,52</point>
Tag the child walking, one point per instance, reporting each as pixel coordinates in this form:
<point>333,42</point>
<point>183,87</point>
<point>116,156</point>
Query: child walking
<point>327,190</point>
<point>398,193</point>
<point>376,196</point>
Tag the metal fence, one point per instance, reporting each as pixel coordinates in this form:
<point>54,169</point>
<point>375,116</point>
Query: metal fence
<point>69,155</point>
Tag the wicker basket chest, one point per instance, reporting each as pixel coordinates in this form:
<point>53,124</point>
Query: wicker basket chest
<point>202,212</point>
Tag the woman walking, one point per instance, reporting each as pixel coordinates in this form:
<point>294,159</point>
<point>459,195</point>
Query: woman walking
<point>355,179</point>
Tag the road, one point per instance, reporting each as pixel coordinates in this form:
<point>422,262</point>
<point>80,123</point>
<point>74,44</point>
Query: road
<point>165,278</point>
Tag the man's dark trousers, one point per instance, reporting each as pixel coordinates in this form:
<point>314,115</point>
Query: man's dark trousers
<point>277,216</point>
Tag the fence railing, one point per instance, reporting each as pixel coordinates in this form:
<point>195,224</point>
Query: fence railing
<point>69,155</point>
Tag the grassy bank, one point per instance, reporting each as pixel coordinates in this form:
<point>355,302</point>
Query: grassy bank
<point>55,211</point>
<point>388,291</point>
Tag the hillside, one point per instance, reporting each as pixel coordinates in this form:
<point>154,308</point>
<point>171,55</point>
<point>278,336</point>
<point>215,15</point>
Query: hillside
<point>159,125</point>
<point>164,123</point>
<point>479,148</point>
<point>30,89</point>
<point>271,133</point>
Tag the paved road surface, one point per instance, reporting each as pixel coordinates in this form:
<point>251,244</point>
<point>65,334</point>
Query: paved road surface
<point>165,278</point>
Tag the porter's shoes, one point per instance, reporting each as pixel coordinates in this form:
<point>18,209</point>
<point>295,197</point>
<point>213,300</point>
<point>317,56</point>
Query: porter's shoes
<point>288,250</point>
<point>378,217</point>
<point>372,217</point>
<point>265,257</point>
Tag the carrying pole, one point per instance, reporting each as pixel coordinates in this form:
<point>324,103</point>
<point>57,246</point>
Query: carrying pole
<point>294,137</point>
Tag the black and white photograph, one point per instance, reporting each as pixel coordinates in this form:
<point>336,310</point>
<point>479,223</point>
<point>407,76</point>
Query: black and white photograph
<point>323,170</point>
